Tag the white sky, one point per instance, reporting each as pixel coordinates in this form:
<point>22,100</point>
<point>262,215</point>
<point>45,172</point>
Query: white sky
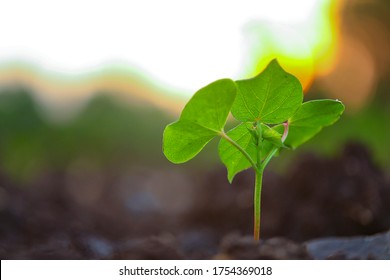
<point>182,45</point>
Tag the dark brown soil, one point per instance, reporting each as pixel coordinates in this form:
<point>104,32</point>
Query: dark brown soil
<point>83,213</point>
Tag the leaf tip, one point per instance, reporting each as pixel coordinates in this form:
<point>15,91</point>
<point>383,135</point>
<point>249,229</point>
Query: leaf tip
<point>230,177</point>
<point>274,63</point>
<point>341,106</point>
<point>274,60</point>
<point>339,101</point>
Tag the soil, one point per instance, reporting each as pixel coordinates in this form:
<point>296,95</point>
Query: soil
<point>320,208</point>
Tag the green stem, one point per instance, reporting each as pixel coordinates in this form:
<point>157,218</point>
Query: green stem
<point>259,169</point>
<point>259,182</point>
<point>269,157</point>
<point>257,204</point>
<point>259,144</point>
<point>231,141</point>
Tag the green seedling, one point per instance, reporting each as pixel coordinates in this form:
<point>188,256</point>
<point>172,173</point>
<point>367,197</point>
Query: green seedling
<point>272,117</point>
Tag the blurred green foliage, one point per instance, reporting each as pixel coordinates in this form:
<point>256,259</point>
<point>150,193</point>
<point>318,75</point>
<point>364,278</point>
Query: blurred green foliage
<point>113,135</point>
<point>107,133</point>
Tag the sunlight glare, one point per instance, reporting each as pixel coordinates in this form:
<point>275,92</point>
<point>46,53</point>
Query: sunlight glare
<point>179,45</point>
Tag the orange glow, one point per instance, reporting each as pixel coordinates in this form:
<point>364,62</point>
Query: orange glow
<point>305,48</point>
<point>361,58</point>
<point>353,76</point>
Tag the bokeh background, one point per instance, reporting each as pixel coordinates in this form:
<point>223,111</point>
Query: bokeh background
<point>87,89</point>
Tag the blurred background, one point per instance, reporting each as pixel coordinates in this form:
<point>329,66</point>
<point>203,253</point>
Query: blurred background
<point>86,89</point>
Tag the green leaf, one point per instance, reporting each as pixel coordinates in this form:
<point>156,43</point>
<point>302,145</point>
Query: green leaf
<point>210,106</point>
<point>271,97</point>
<point>233,159</point>
<point>202,118</point>
<point>183,140</point>
<point>309,119</point>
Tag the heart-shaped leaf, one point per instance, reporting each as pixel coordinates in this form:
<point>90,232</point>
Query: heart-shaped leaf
<point>202,118</point>
<point>271,97</point>
<point>309,119</point>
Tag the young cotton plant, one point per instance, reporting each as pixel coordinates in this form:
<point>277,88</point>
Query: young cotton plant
<point>272,117</point>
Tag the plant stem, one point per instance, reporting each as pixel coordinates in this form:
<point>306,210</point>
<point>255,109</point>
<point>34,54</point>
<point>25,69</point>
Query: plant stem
<point>259,182</point>
<point>257,204</point>
<point>259,144</point>
<point>231,141</point>
<point>259,170</point>
<point>269,157</point>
